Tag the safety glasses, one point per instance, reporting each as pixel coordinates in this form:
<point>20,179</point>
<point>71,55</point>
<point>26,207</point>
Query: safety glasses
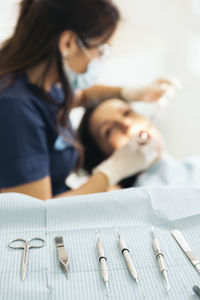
<point>103,50</point>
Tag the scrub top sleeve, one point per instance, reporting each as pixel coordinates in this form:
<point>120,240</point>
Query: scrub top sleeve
<point>24,153</point>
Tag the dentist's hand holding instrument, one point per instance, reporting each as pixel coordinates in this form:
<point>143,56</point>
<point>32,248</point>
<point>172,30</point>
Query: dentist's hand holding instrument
<point>136,156</point>
<point>159,88</point>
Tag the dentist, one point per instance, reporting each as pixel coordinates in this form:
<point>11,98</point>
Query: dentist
<point>47,67</point>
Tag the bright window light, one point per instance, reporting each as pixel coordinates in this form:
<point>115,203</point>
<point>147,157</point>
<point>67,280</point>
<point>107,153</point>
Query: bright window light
<point>194,55</point>
<point>196,6</point>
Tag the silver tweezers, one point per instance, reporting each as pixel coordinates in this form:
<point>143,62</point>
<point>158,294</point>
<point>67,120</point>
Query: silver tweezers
<point>62,255</point>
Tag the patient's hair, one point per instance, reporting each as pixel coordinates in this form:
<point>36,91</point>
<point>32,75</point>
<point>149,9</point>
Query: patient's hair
<point>93,155</point>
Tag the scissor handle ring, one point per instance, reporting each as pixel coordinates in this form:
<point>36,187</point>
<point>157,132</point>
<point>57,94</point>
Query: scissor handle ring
<point>36,239</point>
<point>16,240</point>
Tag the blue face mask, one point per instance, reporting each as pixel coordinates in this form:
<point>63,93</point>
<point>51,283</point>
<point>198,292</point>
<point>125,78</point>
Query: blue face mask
<point>84,80</point>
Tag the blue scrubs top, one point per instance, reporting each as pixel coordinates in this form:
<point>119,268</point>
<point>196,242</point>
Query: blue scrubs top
<point>30,147</point>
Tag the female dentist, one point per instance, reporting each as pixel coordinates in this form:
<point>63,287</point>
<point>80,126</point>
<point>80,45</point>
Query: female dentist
<point>57,48</point>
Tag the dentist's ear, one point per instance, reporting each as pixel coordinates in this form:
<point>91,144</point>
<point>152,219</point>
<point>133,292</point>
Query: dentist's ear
<point>67,43</point>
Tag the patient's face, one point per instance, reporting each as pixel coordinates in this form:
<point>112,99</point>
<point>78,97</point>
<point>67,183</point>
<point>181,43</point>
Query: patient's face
<point>114,123</point>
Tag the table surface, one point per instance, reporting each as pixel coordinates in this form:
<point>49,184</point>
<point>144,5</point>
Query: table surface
<point>81,220</point>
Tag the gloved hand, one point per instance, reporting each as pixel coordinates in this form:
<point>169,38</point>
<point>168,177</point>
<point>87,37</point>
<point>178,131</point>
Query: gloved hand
<point>134,157</point>
<point>152,92</point>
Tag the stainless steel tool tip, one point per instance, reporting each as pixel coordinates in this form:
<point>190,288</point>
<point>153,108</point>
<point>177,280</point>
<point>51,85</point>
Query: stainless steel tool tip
<point>196,289</point>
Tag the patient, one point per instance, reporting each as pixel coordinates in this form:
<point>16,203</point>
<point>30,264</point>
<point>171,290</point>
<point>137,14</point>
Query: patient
<point>109,125</point>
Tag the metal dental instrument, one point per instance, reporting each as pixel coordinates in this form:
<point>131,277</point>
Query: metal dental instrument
<point>162,102</point>
<point>125,253</point>
<point>102,261</point>
<point>164,99</point>
<point>186,248</point>
<point>196,289</point>
<point>26,245</point>
<point>170,90</point>
<point>144,135</point>
<point>160,258</point>
<point>62,255</point>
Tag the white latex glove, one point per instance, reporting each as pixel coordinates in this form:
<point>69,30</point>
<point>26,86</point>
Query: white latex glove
<point>134,157</point>
<point>152,92</point>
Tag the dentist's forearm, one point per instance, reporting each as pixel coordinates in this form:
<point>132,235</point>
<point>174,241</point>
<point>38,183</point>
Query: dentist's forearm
<point>96,92</point>
<point>97,183</point>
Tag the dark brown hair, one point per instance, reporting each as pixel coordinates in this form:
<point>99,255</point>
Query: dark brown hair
<point>37,32</point>
<point>93,155</point>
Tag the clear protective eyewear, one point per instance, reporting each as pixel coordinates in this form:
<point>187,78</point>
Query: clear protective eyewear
<point>103,50</point>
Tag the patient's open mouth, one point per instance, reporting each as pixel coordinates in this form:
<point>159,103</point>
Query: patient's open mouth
<point>140,132</point>
<point>144,136</point>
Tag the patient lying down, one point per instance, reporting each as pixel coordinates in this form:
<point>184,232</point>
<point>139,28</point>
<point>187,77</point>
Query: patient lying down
<point>109,125</point>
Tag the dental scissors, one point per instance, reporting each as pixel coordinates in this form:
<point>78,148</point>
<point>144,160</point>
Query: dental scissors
<point>26,245</point>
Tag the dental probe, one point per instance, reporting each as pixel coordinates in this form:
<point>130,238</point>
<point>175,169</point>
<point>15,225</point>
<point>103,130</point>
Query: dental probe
<point>170,92</point>
<point>144,135</point>
<point>160,104</point>
<point>125,253</point>
<point>102,261</point>
<point>160,258</point>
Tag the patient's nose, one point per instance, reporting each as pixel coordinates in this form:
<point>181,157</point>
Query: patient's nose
<point>125,124</point>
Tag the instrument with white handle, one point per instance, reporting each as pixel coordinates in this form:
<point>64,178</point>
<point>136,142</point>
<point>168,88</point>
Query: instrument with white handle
<point>102,261</point>
<point>160,258</point>
<point>125,253</point>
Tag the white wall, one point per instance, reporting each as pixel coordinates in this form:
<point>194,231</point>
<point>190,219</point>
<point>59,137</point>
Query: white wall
<point>156,37</point>
<point>8,14</point>
<point>162,37</point>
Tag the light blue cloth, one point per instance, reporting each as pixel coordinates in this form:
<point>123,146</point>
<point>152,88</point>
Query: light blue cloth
<point>81,220</point>
<point>169,171</point>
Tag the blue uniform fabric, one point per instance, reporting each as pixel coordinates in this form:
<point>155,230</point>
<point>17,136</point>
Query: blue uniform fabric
<point>30,146</point>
